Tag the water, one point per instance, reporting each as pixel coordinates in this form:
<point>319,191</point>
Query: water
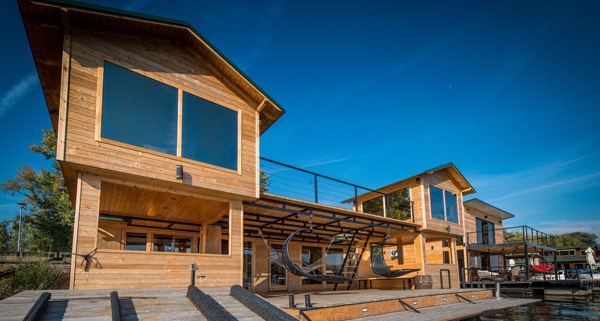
<point>552,309</point>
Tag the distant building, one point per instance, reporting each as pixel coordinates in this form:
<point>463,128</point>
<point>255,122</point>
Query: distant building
<point>573,257</point>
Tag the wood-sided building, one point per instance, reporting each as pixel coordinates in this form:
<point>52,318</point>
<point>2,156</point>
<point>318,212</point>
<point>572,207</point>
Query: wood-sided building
<point>436,198</point>
<point>484,225</point>
<point>158,139</point>
<point>158,142</point>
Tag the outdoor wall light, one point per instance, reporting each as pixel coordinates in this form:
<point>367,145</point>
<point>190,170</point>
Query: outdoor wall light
<point>418,180</point>
<point>448,228</point>
<point>179,172</point>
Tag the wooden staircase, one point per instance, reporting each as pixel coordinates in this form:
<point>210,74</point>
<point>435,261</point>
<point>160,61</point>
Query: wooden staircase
<point>354,254</point>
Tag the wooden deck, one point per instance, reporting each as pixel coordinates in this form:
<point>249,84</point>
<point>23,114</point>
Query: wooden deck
<point>172,304</point>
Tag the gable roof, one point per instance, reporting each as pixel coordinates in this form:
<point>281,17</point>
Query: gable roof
<point>48,21</point>
<point>452,171</point>
<point>487,208</point>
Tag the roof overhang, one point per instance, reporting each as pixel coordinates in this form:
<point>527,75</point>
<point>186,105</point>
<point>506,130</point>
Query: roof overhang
<point>453,173</point>
<point>47,22</point>
<point>484,207</point>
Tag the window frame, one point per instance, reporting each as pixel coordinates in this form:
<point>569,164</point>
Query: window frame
<point>180,93</point>
<point>444,205</point>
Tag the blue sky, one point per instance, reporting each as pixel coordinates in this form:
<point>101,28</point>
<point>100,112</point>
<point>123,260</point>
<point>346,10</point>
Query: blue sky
<point>509,91</point>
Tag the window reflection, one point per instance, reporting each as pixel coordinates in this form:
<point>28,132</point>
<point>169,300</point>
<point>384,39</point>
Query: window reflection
<point>135,242</point>
<point>138,110</point>
<point>209,132</point>
<point>143,112</point>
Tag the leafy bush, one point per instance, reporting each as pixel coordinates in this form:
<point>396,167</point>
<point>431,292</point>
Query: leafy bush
<point>40,275</point>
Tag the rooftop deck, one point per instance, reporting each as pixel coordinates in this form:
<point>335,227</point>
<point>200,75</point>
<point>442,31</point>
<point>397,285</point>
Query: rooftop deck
<point>292,182</point>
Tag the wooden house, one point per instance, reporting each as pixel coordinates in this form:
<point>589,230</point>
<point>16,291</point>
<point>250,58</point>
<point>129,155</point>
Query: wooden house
<point>436,202</point>
<point>484,226</point>
<point>158,141</point>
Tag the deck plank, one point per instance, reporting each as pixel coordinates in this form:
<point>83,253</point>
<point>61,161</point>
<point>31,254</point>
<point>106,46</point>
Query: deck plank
<point>172,304</point>
<point>451,311</point>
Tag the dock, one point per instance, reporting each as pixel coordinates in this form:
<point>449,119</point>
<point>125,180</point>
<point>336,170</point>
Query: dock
<point>174,304</point>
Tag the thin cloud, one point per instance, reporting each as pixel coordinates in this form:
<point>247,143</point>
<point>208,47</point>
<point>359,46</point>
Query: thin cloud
<point>323,161</point>
<point>17,92</point>
<point>570,226</point>
<point>531,180</point>
<point>552,184</point>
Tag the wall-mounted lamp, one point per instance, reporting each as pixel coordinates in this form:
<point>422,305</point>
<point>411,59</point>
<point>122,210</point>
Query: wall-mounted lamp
<point>448,228</point>
<point>418,180</point>
<point>61,183</point>
<point>179,172</point>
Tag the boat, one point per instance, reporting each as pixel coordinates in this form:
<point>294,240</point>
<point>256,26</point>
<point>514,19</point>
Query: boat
<point>589,273</point>
<point>538,264</point>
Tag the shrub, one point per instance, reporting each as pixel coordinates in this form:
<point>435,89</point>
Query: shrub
<point>40,275</point>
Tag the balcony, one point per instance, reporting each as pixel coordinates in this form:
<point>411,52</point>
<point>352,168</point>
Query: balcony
<point>292,182</point>
<point>518,240</point>
<point>517,234</point>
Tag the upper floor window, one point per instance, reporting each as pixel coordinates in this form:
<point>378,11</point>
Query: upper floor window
<point>400,205</point>
<point>144,112</point>
<point>209,132</point>
<point>486,233</point>
<point>396,204</point>
<point>444,204</point>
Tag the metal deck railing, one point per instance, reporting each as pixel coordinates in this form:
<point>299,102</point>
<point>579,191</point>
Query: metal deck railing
<point>285,180</point>
<point>516,234</point>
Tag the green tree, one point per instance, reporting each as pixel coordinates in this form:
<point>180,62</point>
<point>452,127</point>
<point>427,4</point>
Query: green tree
<point>576,238</point>
<point>399,204</point>
<point>264,181</point>
<point>513,236</point>
<point>5,235</point>
<point>48,217</point>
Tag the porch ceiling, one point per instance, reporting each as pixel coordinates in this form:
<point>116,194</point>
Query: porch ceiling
<point>131,201</point>
<point>277,217</point>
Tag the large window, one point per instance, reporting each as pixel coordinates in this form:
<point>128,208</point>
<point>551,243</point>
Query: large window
<point>397,203</point>
<point>335,260</point>
<point>135,242</point>
<point>138,110</point>
<point>143,112</point>
<point>247,270</point>
<point>444,204</point>
<point>485,232</point>
<point>373,206</point>
<point>168,243</point>
<point>278,273</point>
<point>400,206</point>
<point>209,132</point>
<point>311,256</point>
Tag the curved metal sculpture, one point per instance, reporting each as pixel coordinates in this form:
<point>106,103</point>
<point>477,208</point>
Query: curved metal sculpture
<point>291,267</point>
<point>538,263</point>
<point>379,266</point>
